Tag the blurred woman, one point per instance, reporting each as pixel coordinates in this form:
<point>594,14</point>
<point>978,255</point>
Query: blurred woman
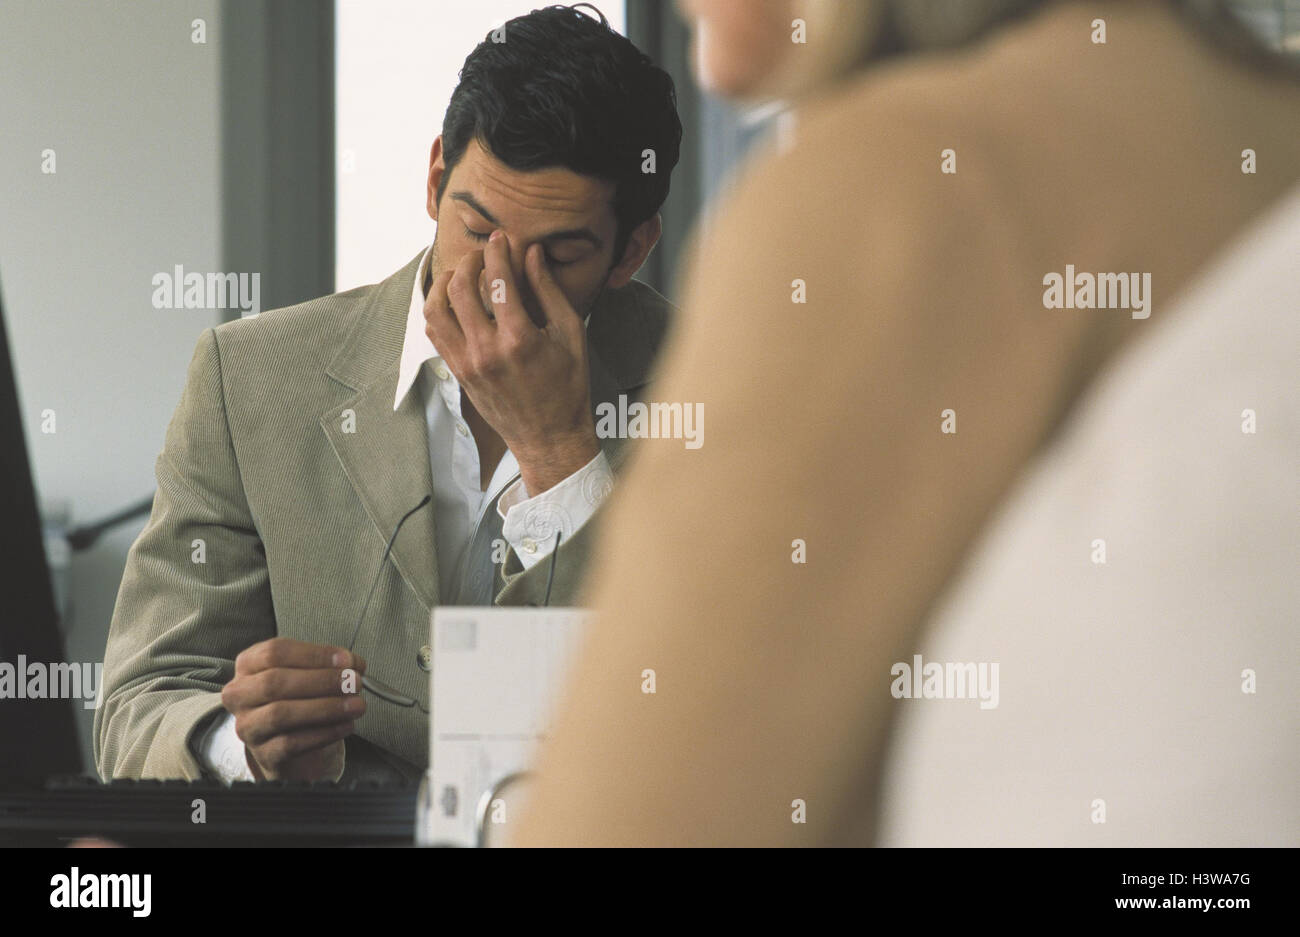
<point>891,314</point>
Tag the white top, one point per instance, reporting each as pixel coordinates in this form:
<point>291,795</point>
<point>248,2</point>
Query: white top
<point>1150,699</point>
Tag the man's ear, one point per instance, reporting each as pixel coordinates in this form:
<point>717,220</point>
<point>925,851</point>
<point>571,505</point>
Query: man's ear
<point>436,169</point>
<point>639,244</point>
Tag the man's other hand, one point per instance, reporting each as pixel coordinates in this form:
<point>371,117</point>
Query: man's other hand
<point>290,707</point>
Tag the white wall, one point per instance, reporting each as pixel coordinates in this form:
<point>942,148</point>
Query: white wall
<point>130,106</point>
<point>397,66</point>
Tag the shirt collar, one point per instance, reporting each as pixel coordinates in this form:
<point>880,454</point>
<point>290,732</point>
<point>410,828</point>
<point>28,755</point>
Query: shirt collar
<point>416,347</point>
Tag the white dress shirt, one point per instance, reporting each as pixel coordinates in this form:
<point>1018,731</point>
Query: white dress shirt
<point>529,524</point>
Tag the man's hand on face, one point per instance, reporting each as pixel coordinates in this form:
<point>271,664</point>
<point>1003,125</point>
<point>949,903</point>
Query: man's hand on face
<point>528,380</point>
<point>290,708</point>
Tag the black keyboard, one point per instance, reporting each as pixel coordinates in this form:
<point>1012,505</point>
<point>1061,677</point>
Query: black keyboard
<point>267,813</point>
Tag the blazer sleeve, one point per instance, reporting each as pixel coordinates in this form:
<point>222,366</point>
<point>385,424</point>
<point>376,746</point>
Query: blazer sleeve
<point>195,593</point>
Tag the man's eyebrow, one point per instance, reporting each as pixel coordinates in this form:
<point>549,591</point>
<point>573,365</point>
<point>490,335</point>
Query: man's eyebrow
<point>574,234</point>
<point>568,234</point>
<point>472,202</point>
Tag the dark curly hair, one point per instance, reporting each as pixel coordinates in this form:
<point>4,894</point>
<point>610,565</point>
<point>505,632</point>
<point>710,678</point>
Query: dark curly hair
<point>562,89</point>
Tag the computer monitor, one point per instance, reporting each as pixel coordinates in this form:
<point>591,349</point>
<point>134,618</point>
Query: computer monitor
<point>37,736</point>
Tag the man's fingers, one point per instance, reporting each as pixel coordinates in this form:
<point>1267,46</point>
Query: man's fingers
<point>257,726</point>
<point>468,303</point>
<point>441,324</point>
<point>485,293</point>
<point>267,686</point>
<point>539,275</point>
<point>503,292</point>
<point>295,744</point>
<point>556,305</point>
<point>288,652</point>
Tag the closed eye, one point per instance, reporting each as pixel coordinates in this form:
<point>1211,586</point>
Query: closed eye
<point>476,236</point>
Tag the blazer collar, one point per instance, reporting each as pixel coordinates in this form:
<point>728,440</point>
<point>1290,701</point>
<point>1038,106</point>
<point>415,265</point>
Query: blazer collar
<point>373,341</point>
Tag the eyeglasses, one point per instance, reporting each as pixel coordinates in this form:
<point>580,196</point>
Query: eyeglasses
<point>373,684</point>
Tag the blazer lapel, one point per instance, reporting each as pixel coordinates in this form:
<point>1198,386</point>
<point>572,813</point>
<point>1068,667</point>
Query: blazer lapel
<point>385,452</point>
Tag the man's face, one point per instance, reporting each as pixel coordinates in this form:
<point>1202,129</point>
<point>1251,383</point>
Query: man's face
<point>570,215</point>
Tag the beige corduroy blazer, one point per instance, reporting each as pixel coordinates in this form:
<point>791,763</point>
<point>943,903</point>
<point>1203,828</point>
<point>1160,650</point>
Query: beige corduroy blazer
<point>294,500</point>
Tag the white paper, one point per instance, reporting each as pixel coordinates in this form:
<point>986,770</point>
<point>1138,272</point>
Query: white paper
<point>495,679</point>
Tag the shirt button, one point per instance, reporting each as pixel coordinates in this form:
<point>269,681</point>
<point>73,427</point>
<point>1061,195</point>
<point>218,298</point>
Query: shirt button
<point>442,372</point>
<point>529,545</point>
<point>462,429</point>
<point>425,658</point>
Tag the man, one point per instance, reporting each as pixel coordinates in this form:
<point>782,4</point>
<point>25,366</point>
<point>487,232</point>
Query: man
<point>307,437</point>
